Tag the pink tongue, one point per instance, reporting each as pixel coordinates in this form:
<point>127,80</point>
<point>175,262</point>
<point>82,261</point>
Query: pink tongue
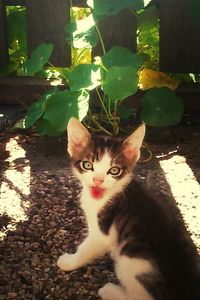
<point>96,192</point>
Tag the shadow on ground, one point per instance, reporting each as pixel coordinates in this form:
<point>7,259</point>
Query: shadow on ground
<point>40,216</point>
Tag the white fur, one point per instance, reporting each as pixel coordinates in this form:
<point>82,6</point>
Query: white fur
<point>97,243</point>
<point>110,185</point>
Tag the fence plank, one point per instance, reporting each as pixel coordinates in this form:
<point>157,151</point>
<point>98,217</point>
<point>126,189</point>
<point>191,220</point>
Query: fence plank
<point>179,38</point>
<point>4,57</point>
<point>24,90</point>
<point>119,30</point>
<point>14,2</point>
<point>45,24</point>
<point>79,3</point>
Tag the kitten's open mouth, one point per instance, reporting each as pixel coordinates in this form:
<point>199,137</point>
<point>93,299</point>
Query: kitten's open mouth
<point>97,192</point>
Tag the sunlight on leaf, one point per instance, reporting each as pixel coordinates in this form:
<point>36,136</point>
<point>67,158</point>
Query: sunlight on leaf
<point>146,2</point>
<point>85,76</point>
<point>56,110</point>
<point>82,33</point>
<point>83,104</point>
<point>59,108</point>
<point>150,79</point>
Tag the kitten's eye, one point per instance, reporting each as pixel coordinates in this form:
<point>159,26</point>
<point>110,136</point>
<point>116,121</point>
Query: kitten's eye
<point>115,171</point>
<point>86,165</point>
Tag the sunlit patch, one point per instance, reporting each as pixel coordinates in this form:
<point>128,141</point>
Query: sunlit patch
<point>15,186</point>
<point>185,190</point>
<point>146,2</point>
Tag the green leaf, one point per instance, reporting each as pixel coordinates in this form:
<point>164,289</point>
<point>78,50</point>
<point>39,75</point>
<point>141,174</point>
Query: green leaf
<point>83,104</point>
<point>120,82</point>
<point>39,57</point>
<point>44,127</point>
<point>57,108</point>
<point>119,56</point>
<point>36,110</point>
<point>52,113</point>
<point>85,76</point>
<point>112,7</point>
<point>63,105</point>
<point>82,33</point>
<point>148,18</point>
<point>125,112</point>
<point>161,107</point>
<point>194,10</point>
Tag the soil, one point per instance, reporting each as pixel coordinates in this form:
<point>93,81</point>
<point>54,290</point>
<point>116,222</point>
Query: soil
<point>40,217</point>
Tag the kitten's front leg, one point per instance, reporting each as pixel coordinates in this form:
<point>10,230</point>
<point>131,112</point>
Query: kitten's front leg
<point>90,249</point>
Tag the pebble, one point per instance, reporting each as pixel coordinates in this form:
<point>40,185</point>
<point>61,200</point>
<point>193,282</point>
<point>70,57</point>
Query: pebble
<point>12,295</point>
<point>54,224</point>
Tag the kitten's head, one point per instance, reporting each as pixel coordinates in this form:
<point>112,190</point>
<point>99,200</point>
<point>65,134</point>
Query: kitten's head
<point>103,164</point>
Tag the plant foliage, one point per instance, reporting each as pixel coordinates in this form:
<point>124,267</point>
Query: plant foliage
<point>39,57</point>
<point>97,89</point>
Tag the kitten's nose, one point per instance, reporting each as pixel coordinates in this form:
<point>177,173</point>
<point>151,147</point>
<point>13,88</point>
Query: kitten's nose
<point>98,180</point>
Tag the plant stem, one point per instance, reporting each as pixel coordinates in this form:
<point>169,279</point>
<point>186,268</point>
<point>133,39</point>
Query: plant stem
<point>133,12</point>
<point>99,125</point>
<point>115,118</point>
<point>71,4</point>
<point>101,39</point>
<point>103,105</point>
<point>51,64</point>
<point>109,107</point>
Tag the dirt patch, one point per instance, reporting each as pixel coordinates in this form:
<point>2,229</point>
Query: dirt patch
<point>40,216</point>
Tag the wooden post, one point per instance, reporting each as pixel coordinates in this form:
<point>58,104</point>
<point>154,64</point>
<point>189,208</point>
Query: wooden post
<point>4,57</point>
<point>46,20</point>
<point>119,30</point>
<point>179,38</point>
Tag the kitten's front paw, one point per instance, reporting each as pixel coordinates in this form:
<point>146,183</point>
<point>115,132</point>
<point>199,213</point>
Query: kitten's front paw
<point>112,291</point>
<point>106,292</point>
<point>66,262</point>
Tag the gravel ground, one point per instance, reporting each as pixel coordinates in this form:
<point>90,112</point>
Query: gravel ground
<point>40,217</point>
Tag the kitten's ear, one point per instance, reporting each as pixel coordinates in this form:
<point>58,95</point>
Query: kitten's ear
<point>78,137</point>
<point>132,145</point>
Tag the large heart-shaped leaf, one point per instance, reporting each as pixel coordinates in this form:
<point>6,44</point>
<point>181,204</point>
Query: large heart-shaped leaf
<point>36,110</point>
<point>51,114</point>
<point>44,127</point>
<point>39,57</point>
<point>112,7</point>
<point>119,56</point>
<point>161,107</point>
<point>85,76</point>
<point>82,33</point>
<point>60,107</point>
<point>120,82</point>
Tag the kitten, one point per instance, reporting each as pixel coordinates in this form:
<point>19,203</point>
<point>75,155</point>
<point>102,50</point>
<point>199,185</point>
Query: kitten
<point>154,256</point>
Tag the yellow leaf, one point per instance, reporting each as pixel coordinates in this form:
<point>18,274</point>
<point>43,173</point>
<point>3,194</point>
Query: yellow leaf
<point>150,79</point>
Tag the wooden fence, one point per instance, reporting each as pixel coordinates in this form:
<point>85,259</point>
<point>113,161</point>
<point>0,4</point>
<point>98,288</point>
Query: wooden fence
<point>45,20</point>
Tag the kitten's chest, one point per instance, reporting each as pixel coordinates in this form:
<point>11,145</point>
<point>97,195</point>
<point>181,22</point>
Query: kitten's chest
<point>91,209</point>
